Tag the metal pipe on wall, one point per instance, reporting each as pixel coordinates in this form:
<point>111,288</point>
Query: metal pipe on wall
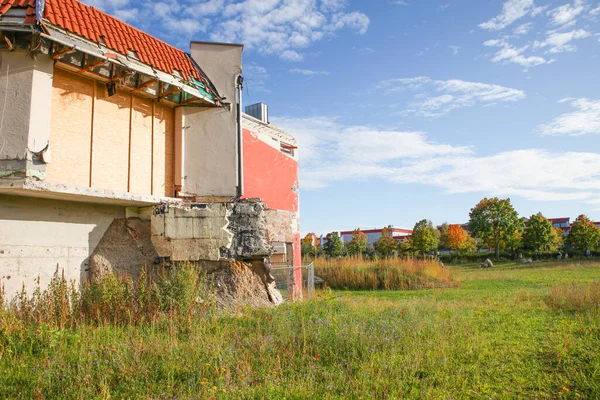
<point>240,138</point>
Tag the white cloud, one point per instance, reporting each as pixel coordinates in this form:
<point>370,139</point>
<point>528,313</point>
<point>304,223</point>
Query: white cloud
<point>584,121</point>
<point>511,54</point>
<point>559,42</point>
<point>400,2</point>
<point>512,10</point>
<point>270,27</point>
<point>455,49</point>
<point>256,78</point>
<point>331,151</point>
<point>307,72</point>
<point>566,14</point>
<point>449,95</point>
<point>523,29</point>
<point>291,55</point>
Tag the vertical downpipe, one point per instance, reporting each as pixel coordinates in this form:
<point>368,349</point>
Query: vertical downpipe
<point>240,138</point>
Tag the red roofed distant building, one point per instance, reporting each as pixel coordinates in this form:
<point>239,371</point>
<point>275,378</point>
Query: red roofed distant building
<point>374,234</point>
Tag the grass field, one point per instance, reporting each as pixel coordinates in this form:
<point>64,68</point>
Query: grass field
<point>494,336</point>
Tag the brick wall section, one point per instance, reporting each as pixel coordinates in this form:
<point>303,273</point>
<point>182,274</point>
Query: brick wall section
<point>70,129</point>
<point>148,168</point>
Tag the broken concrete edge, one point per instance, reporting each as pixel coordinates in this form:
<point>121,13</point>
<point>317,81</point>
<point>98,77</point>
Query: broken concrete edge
<point>211,231</point>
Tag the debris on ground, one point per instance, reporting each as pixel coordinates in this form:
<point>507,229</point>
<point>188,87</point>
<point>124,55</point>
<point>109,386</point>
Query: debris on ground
<point>240,283</point>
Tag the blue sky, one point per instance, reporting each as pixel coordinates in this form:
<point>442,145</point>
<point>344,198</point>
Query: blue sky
<point>411,109</point>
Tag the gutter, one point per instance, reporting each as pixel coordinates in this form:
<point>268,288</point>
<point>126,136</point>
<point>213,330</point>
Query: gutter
<point>240,138</point>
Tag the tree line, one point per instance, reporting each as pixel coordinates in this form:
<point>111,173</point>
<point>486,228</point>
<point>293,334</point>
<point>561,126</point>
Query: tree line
<point>493,224</point>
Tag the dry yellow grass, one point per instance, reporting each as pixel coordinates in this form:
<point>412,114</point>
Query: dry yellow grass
<point>358,273</point>
<point>576,296</point>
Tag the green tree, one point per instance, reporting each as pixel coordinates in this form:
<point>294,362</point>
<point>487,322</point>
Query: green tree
<point>406,246</point>
<point>494,220</point>
<point>513,242</point>
<point>358,244</point>
<point>444,232</point>
<point>425,237</point>
<point>558,239</point>
<point>584,235</point>
<point>386,245</point>
<point>333,246</point>
<point>538,233</point>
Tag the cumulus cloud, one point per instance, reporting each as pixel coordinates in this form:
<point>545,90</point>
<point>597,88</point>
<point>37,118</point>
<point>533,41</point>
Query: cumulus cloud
<point>332,152</point>
<point>512,10</point>
<point>560,42</point>
<point>270,27</point>
<point>512,54</point>
<point>585,120</point>
<point>439,97</point>
<point>554,41</point>
<point>523,29</point>
<point>566,14</point>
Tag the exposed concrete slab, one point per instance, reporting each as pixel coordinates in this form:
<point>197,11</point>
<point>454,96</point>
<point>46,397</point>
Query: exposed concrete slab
<point>33,188</point>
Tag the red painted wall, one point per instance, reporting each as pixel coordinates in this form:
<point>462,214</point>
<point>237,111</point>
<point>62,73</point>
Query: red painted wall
<point>269,174</point>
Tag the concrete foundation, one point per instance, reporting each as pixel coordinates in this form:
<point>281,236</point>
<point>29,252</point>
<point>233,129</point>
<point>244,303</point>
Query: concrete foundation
<point>37,236</point>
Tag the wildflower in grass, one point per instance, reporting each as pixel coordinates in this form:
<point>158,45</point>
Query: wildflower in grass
<point>318,357</point>
<point>214,388</point>
<point>255,383</point>
<point>566,389</point>
<point>559,357</point>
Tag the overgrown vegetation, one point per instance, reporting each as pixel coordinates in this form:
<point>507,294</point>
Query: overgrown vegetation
<point>359,273</point>
<point>492,337</point>
<point>181,292</point>
<point>574,296</point>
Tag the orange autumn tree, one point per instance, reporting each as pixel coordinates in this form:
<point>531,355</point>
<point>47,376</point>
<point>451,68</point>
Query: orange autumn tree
<point>457,237</point>
<point>311,242</point>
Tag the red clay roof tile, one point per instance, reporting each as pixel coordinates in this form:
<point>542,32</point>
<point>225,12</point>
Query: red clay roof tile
<point>90,23</point>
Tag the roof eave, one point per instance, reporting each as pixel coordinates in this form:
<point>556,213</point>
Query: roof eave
<point>78,43</point>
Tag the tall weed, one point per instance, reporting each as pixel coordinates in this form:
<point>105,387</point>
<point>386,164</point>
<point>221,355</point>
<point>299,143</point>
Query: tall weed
<point>358,273</point>
<point>576,296</point>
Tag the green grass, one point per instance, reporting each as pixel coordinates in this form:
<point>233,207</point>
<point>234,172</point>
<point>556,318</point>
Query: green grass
<point>494,336</point>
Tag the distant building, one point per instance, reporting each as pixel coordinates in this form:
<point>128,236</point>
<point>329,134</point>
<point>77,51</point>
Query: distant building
<point>561,223</point>
<point>374,234</point>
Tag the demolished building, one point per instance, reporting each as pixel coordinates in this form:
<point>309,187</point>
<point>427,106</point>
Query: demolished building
<point>117,149</point>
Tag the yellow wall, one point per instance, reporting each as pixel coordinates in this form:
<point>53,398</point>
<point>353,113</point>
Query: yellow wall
<point>126,140</point>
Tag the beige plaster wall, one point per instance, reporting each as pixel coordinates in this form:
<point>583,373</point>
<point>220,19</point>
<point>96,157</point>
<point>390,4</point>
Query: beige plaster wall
<point>36,235</point>
<point>123,143</point>
<point>71,129</point>
<point>209,136</point>
<point>25,91</point>
<point>16,77</point>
